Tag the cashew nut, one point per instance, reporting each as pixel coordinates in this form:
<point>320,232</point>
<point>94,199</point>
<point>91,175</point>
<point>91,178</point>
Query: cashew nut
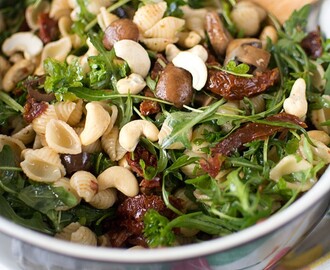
<point>287,165</point>
<point>134,54</point>
<point>130,133</point>
<point>172,51</point>
<point>26,42</point>
<point>97,121</point>
<point>16,73</point>
<point>132,84</point>
<point>120,178</point>
<point>193,64</point>
<point>296,103</point>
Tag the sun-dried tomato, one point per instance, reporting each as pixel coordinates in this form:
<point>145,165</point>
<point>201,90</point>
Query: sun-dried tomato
<point>152,186</point>
<point>33,109</point>
<point>131,211</point>
<point>139,153</point>
<point>127,227</point>
<point>149,107</point>
<point>248,133</point>
<point>48,28</point>
<point>233,87</point>
<point>312,44</point>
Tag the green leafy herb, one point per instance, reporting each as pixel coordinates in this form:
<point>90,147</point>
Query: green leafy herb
<point>156,229</point>
<point>237,70</point>
<point>295,26</point>
<point>62,76</point>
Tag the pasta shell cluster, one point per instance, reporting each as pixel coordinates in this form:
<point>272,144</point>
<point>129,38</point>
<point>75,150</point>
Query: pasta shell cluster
<point>59,8</point>
<point>69,111</point>
<point>62,138</point>
<point>104,199</point>
<point>85,184</point>
<point>111,145</point>
<point>90,148</point>
<point>42,165</point>
<point>148,15</point>
<point>39,123</point>
<point>77,233</point>
<point>15,144</point>
<point>157,32</point>
<point>26,135</point>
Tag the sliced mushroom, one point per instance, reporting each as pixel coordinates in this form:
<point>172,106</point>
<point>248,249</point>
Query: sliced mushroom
<point>248,51</point>
<point>175,85</point>
<point>118,30</point>
<point>217,33</point>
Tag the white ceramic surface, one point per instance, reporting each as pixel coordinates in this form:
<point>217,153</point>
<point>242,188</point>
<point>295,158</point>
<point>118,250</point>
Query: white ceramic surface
<point>14,249</point>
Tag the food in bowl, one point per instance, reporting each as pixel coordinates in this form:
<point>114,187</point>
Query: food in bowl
<point>158,123</point>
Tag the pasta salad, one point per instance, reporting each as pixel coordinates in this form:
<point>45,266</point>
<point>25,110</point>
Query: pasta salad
<point>157,123</point>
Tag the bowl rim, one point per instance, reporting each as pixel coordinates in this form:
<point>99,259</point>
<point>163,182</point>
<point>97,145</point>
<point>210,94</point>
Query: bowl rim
<point>133,256</point>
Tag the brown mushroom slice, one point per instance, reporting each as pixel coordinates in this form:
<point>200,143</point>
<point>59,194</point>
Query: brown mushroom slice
<point>248,51</point>
<point>175,85</point>
<point>118,30</point>
<point>218,35</point>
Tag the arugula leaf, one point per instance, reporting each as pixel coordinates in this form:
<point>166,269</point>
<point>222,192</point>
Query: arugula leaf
<point>207,186</point>
<point>181,122</point>
<point>239,190</point>
<point>45,198</point>
<point>10,179</point>
<point>36,222</point>
<point>158,230</point>
<point>6,113</point>
<point>61,76</point>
